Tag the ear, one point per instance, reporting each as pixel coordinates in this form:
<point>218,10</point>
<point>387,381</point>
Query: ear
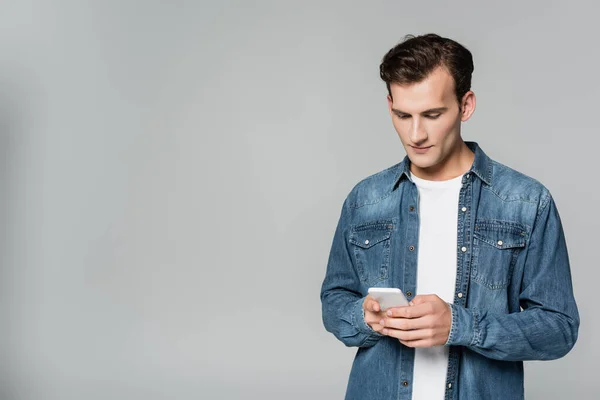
<point>467,105</point>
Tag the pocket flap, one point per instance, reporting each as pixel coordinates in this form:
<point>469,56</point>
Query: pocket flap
<point>501,234</point>
<point>367,235</point>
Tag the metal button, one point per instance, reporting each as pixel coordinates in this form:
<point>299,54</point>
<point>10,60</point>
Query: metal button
<point>500,242</point>
<point>405,383</point>
<point>409,293</point>
<point>411,248</point>
<point>467,176</point>
<point>366,242</point>
<point>463,249</point>
<point>464,209</point>
<point>459,295</point>
<point>449,386</point>
<point>411,208</point>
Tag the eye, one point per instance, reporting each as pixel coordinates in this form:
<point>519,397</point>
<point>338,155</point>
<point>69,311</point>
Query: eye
<point>403,116</point>
<point>436,116</point>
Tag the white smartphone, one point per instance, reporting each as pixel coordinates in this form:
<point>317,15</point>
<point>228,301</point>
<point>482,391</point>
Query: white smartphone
<point>388,297</point>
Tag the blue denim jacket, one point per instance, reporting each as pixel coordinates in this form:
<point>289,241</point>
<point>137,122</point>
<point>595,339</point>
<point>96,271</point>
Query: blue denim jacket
<point>513,299</point>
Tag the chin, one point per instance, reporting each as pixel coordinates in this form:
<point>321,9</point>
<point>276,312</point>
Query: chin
<point>421,165</point>
<point>422,162</point>
<point>424,166</point>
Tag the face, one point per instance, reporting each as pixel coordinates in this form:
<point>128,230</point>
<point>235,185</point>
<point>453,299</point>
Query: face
<point>427,117</point>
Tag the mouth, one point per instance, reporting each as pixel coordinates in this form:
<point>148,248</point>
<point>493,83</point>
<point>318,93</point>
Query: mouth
<point>421,150</point>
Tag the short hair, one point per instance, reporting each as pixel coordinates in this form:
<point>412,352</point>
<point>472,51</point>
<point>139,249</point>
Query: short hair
<point>413,59</point>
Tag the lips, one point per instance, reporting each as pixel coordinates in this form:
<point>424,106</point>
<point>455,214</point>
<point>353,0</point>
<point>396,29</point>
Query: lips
<point>421,150</point>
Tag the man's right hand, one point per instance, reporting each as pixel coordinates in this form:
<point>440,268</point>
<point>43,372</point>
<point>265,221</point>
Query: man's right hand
<point>373,313</point>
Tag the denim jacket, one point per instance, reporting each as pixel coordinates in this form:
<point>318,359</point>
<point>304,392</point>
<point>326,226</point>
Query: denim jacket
<point>513,299</point>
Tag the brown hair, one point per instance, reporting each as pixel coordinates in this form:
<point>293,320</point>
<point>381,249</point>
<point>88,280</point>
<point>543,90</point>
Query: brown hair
<point>417,56</point>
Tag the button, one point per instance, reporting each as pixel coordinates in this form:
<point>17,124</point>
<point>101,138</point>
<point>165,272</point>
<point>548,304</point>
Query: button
<point>411,248</point>
<point>449,386</point>
<point>411,208</point>
<point>464,209</point>
<point>366,242</point>
<point>390,226</point>
<point>463,249</point>
<point>409,293</point>
<point>405,383</point>
<point>467,176</point>
<point>459,295</point>
<point>500,242</point>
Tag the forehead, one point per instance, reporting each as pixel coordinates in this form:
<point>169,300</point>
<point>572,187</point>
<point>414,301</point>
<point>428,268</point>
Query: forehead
<point>436,90</point>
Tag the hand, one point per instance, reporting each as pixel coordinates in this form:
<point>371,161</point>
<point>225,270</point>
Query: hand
<point>373,313</point>
<point>425,323</point>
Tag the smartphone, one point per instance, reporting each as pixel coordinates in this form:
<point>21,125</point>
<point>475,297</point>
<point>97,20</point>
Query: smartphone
<point>388,297</point>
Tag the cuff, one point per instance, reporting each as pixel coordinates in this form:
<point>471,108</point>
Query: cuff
<point>358,319</point>
<point>465,329</point>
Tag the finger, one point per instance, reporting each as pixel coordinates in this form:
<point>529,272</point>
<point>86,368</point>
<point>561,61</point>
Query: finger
<point>370,304</point>
<point>372,318</point>
<point>417,334</point>
<point>406,324</point>
<point>417,343</point>
<point>415,311</point>
<point>374,306</point>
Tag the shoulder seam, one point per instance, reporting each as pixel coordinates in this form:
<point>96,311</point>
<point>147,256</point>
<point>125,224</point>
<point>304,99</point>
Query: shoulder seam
<point>355,205</point>
<point>520,198</point>
<point>543,204</point>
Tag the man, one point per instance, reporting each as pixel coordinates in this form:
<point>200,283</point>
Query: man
<point>477,248</point>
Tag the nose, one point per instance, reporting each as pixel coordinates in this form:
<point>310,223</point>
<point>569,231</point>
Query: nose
<point>418,133</point>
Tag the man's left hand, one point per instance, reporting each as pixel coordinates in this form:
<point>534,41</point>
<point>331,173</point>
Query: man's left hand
<point>425,323</point>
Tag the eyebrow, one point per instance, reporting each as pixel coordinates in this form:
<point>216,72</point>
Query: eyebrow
<point>430,111</point>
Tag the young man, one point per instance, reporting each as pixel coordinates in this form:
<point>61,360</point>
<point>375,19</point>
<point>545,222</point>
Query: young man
<point>477,248</point>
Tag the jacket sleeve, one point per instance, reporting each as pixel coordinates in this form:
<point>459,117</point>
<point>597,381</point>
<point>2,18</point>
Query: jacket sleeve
<point>548,324</point>
<point>341,299</point>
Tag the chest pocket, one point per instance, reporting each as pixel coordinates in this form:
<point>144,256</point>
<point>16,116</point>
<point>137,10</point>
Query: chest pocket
<point>496,245</point>
<point>370,245</point>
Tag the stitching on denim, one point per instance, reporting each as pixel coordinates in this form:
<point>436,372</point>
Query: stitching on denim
<point>475,341</point>
<point>355,323</point>
<point>509,242</point>
<point>374,223</point>
<point>490,171</point>
<point>395,166</point>
<point>372,241</point>
<point>523,199</point>
<point>507,198</point>
<point>356,326</point>
<point>453,325</point>
<point>356,205</point>
<point>514,226</point>
<point>486,176</point>
<point>543,204</point>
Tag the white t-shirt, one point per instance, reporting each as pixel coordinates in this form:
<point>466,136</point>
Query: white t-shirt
<point>436,273</point>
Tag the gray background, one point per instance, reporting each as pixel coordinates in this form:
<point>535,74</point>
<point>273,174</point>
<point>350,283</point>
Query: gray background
<point>172,173</point>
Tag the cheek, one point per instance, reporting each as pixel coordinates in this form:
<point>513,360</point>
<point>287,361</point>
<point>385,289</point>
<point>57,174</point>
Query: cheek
<point>441,129</point>
<point>398,126</point>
